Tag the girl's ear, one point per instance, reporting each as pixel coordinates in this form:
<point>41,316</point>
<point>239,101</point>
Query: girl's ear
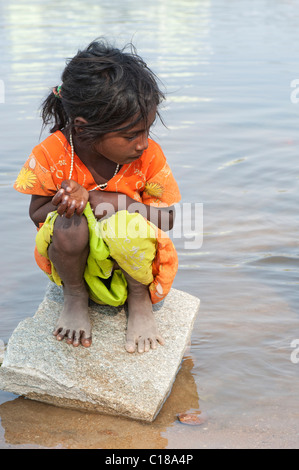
<point>79,123</point>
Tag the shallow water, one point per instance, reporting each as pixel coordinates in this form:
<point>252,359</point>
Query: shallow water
<point>232,142</point>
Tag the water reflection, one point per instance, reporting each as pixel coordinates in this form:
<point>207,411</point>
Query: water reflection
<point>39,37</point>
<point>28,422</point>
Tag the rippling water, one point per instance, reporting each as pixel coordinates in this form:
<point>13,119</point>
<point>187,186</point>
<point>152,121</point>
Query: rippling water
<point>232,142</point>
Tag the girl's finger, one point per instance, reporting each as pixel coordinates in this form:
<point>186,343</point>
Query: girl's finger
<point>81,208</point>
<point>67,185</point>
<point>58,196</point>
<point>63,205</point>
<point>71,209</point>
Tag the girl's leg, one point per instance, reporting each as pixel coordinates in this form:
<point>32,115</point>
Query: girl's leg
<point>68,252</point>
<point>142,333</point>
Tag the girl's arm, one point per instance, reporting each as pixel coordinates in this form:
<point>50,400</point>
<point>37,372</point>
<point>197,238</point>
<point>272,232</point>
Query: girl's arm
<point>70,198</point>
<point>39,208</point>
<point>105,204</point>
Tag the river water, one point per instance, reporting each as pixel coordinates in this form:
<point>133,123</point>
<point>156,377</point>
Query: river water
<point>231,71</point>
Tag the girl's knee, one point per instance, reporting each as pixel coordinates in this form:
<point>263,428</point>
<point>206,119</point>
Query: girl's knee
<point>70,235</point>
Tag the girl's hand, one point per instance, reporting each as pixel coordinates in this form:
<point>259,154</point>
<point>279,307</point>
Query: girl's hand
<point>70,198</point>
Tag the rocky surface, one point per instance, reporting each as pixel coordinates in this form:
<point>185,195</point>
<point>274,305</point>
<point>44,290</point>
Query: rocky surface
<point>104,377</point>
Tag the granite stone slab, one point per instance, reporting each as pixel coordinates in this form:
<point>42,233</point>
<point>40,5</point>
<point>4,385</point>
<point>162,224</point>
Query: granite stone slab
<point>103,378</point>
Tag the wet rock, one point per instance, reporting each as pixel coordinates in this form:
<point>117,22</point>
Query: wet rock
<point>193,419</point>
<point>2,349</point>
<point>104,377</point>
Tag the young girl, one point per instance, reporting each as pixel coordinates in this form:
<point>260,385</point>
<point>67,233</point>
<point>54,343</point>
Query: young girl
<point>95,179</point>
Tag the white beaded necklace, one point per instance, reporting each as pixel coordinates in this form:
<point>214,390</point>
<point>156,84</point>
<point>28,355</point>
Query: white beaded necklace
<point>99,186</point>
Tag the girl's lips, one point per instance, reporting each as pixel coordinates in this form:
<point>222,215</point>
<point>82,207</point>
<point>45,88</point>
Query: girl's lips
<point>135,157</point>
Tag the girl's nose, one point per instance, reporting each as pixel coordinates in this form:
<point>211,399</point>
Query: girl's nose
<point>142,143</point>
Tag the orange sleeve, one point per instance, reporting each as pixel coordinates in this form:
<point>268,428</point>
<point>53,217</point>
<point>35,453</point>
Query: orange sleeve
<point>161,188</point>
<point>36,176</point>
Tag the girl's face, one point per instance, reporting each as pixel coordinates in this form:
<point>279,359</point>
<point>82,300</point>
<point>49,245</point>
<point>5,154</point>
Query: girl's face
<point>126,146</point>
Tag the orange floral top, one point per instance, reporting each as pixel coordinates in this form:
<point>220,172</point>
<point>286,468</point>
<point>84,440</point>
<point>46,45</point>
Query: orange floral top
<point>148,180</point>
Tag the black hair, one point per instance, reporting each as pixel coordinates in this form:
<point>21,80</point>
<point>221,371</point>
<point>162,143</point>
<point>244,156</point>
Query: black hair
<point>107,87</point>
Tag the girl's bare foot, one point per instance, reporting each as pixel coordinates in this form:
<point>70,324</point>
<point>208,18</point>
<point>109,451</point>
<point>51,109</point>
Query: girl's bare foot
<point>73,323</point>
<point>142,334</point>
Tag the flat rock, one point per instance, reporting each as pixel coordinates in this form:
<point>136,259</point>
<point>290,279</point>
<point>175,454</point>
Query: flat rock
<point>104,377</point>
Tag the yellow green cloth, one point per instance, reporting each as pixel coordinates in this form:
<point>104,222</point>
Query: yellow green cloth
<point>125,238</point>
